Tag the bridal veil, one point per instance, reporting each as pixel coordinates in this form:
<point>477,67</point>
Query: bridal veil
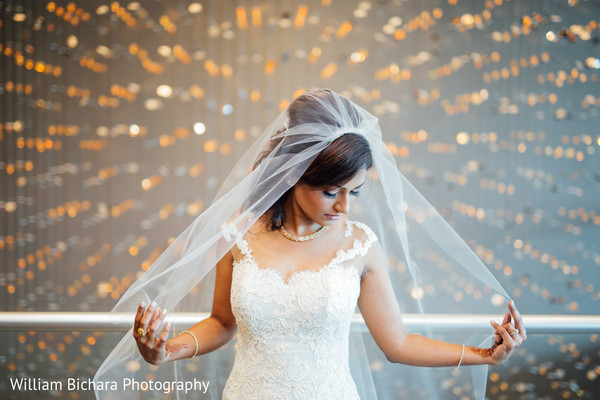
<point>432,269</point>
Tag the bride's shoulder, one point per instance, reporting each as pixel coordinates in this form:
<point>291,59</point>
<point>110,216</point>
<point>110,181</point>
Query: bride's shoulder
<point>361,238</point>
<point>367,245</point>
<point>360,231</point>
<point>242,237</point>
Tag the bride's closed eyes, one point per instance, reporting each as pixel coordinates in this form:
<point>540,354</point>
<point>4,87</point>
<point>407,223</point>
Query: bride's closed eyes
<point>332,195</point>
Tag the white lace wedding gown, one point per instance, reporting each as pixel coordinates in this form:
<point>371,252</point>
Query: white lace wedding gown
<point>293,336</point>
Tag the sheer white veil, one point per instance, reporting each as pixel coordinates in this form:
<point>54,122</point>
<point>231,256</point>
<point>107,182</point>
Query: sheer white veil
<point>431,267</point>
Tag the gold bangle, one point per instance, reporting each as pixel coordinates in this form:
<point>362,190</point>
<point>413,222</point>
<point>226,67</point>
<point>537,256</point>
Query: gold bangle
<point>195,340</point>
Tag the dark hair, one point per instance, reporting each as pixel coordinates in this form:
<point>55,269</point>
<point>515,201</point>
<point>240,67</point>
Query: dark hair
<point>337,163</point>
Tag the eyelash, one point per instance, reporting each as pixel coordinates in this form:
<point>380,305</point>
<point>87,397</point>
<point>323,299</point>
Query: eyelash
<point>332,195</point>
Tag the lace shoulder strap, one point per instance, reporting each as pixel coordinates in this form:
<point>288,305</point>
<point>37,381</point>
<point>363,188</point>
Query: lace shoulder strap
<point>359,248</point>
<point>244,247</point>
<point>231,232</point>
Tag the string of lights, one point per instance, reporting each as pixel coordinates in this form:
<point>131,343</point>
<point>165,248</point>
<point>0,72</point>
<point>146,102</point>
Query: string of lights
<point>118,121</point>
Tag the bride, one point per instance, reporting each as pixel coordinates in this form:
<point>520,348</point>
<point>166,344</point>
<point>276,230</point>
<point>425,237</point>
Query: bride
<point>290,274</point>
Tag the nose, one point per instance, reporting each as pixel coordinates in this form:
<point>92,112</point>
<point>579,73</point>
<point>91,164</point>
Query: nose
<point>342,205</point>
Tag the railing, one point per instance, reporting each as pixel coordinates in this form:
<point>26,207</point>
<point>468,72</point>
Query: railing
<point>106,321</point>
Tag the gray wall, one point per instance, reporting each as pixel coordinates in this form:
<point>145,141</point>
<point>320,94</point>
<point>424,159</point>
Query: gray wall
<point>490,107</point>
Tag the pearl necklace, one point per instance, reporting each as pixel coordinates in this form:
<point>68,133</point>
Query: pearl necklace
<point>305,238</point>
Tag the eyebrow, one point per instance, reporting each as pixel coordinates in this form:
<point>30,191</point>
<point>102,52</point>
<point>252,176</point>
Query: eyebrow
<point>341,187</point>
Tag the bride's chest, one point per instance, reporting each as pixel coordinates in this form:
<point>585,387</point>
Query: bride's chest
<point>307,299</point>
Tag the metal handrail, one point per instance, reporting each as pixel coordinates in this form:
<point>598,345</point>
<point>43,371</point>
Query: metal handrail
<point>456,323</point>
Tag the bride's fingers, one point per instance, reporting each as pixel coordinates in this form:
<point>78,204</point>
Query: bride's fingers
<point>518,320</point>
<point>506,338</point>
<point>163,338</point>
<point>497,337</point>
<point>155,314</point>
<point>142,328</point>
<point>145,321</point>
<point>506,323</point>
<point>506,320</point>
<point>138,317</point>
<point>513,332</point>
<point>152,329</point>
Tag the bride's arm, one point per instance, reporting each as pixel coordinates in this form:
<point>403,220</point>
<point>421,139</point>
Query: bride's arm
<point>210,333</point>
<point>381,312</point>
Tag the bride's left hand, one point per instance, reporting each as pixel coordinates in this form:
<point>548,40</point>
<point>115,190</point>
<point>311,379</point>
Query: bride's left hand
<point>508,336</point>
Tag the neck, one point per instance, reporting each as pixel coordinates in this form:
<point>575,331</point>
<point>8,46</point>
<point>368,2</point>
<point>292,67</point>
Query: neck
<point>296,222</point>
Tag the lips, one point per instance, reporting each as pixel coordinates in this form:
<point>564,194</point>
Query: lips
<point>333,217</point>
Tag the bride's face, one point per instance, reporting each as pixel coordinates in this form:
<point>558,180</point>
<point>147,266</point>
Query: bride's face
<point>325,205</point>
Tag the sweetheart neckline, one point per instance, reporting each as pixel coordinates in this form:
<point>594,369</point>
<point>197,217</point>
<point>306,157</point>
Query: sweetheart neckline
<point>342,255</point>
<point>288,281</point>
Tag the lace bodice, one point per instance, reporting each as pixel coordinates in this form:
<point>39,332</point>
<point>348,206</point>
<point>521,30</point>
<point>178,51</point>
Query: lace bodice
<point>293,335</point>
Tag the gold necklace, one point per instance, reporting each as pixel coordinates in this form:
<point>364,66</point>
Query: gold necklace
<point>305,238</point>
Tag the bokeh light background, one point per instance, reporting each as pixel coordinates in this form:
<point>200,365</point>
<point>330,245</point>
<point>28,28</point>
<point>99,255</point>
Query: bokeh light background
<point>118,121</point>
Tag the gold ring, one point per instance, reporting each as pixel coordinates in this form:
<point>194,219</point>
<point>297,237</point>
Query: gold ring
<point>142,332</point>
<point>515,331</point>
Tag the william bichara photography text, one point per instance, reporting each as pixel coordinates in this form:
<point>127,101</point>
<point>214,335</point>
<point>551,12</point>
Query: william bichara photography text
<point>77,384</point>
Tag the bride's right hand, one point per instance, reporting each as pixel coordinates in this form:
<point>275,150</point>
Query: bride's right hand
<point>152,344</point>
